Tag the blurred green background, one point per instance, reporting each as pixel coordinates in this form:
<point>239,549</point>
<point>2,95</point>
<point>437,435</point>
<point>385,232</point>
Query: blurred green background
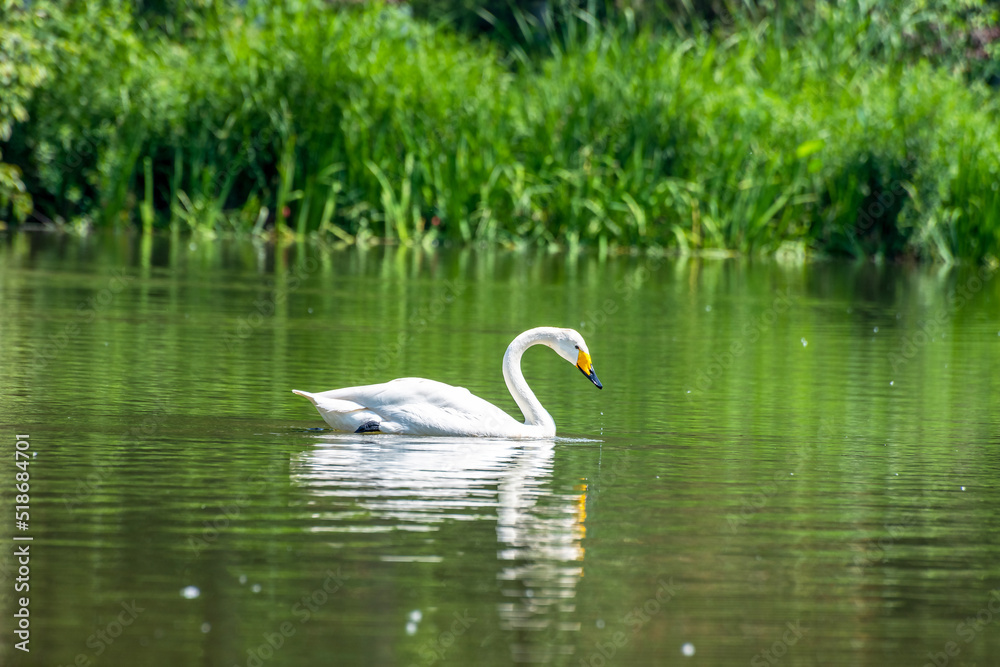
<point>864,128</point>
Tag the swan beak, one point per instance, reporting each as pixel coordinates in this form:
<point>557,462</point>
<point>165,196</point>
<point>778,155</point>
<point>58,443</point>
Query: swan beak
<point>586,367</point>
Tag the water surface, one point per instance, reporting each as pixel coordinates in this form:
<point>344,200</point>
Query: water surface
<point>789,464</point>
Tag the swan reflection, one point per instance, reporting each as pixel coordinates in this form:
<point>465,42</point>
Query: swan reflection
<point>425,484</point>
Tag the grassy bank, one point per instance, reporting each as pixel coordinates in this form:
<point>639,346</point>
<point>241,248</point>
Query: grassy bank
<point>367,124</point>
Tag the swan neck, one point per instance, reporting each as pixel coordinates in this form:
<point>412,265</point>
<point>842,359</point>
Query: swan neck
<point>531,408</point>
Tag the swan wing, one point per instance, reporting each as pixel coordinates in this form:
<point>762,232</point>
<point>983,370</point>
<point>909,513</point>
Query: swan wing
<point>340,414</point>
<point>415,406</point>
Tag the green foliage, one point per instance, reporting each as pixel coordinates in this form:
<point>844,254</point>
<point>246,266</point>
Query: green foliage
<point>363,122</point>
<point>24,57</point>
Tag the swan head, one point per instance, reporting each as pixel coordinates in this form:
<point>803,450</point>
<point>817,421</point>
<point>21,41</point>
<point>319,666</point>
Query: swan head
<point>569,345</point>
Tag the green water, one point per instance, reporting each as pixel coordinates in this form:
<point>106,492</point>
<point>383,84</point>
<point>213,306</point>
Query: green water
<point>789,464</point>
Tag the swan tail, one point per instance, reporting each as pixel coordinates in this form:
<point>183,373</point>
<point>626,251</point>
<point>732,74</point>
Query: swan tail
<point>325,404</point>
<point>343,415</point>
<point>306,394</point>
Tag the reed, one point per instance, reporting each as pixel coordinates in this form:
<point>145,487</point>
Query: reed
<point>366,123</point>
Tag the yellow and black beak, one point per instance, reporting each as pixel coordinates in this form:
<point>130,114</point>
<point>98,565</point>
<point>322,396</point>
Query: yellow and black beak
<point>586,367</point>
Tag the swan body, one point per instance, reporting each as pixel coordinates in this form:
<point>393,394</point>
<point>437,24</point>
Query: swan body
<point>416,406</point>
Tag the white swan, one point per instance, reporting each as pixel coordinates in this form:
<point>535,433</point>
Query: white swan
<point>415,406</point>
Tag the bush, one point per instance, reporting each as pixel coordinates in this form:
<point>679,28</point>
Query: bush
<point>364,122</point>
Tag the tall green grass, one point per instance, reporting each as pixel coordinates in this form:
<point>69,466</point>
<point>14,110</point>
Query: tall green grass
<point>364,123</point>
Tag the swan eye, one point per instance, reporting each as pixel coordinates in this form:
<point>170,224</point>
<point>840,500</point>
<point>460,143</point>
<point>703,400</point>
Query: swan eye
<point>577,346</point>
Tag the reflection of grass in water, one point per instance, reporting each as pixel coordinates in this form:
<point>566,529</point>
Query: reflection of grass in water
<point>366,123</point>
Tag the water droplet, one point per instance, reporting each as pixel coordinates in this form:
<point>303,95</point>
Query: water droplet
<point>688,649</point>
<point>206,627</point>
<point>875,329</point>
<point>411,628</point>
<point>600,623</point>
<point>891,382</point>
<point>255,588</point>
<point>963,488</point>
<point>804,342</point>
<point>310,311</point>
<point>243,578</point>
<point>708,309</point>
<point>190,592</point>
<point>416,616</point>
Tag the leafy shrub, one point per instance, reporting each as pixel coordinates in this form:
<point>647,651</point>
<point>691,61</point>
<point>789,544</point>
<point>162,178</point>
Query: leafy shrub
<point>365,122</point>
